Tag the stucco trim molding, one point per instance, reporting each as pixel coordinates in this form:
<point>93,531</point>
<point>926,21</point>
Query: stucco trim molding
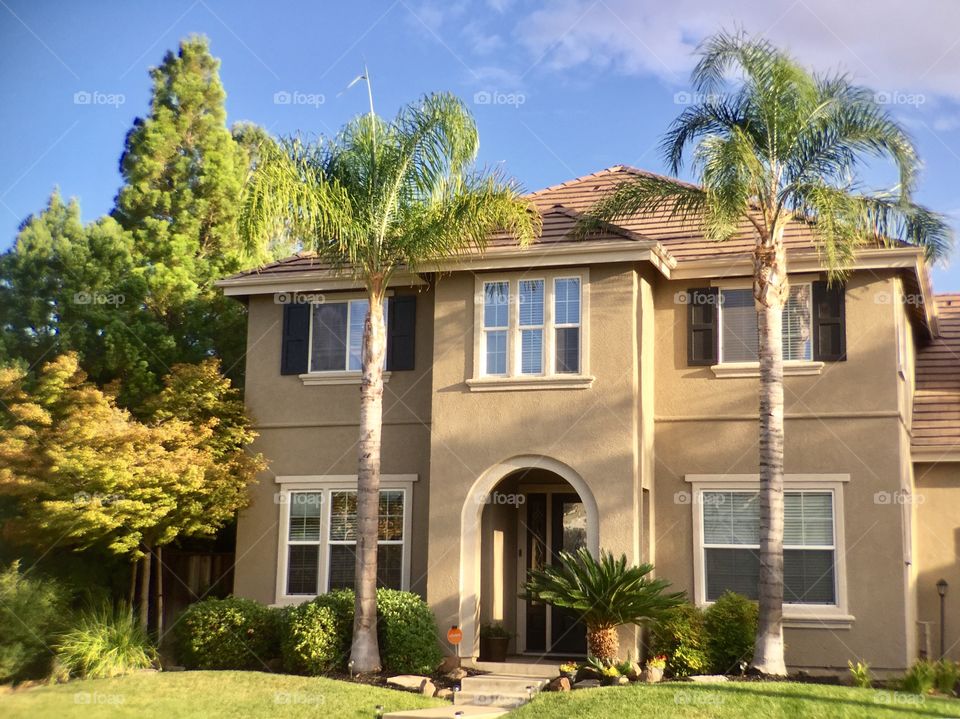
<point>752,369</point>
<point>934,455</point>
<point>471,535</point>
<point>340,479</point>
<point>500,384</point>
<point>746,478</point>
<point>314,379</point>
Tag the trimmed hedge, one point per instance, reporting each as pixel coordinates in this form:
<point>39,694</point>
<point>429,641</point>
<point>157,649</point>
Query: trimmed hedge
<point>680,637</point>
<point>231,633</point>
<point>731,628</point>
<point>407,633</point>
<point>315,635</point>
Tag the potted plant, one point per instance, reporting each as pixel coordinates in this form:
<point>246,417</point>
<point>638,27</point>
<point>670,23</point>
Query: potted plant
<point>653,672</point>
<point>494,640</point>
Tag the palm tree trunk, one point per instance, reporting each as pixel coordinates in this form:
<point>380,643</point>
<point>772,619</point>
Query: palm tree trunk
<point>603,643</point>
<point>771,290</point>
<point>365,652</point>
<point>145,588</point>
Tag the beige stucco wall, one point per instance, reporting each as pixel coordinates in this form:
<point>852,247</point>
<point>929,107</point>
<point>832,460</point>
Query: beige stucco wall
<point>592,431</point>
<point>314,430</point>
<point>646,423</point>
<point>937,553</point>
<point>845,420</point>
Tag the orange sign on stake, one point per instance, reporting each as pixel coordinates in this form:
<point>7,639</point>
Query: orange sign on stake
<point>454,636</point>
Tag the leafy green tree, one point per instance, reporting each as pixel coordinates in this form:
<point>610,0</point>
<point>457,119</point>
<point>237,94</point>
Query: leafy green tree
<point>604,592</point>
<point>66,286</point>
<point>381,196</point>
<point>777,145</point>
<point>134,293</point>
<point>85,473</point>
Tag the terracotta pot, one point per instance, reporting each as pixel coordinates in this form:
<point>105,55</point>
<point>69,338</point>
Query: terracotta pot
<point>493,649</point>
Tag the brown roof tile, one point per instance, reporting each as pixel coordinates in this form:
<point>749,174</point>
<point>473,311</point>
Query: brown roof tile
<point>936,405</point>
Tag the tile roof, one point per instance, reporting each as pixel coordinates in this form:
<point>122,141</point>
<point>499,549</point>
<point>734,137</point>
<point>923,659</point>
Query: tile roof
<point>561,205</point>
<point>936,405</point>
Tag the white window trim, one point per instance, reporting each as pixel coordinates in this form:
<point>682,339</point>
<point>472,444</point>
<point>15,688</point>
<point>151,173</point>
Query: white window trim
<point>550,378</point>
<point>335,377</point>
<point>795,615</point>
<point>325,484</point>
<point>791,368</point>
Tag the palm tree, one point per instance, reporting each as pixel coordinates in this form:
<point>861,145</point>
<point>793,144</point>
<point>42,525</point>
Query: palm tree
<point>604,592</point>
<point>778,145</point>
<point>379,197</point>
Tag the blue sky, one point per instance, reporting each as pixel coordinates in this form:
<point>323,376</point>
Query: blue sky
<point>559,88</point>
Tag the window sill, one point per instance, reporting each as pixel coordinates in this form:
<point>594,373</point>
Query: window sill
<point>819,621</point>
<point>500,384</point>
<point>752,369</point>
<point>331,378</point>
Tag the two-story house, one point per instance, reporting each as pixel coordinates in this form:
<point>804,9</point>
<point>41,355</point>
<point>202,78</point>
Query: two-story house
<point>603,393</point>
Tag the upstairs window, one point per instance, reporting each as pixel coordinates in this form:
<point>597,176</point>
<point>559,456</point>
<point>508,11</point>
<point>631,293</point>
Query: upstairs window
<point>739,340</point>
<point>336,335</point>
<point>531,326</point>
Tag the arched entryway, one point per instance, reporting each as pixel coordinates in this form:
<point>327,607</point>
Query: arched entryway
<point>518,512</point>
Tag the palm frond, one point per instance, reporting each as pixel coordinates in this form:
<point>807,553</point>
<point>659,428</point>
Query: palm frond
<point>644,194</point>
<point>605,592</point>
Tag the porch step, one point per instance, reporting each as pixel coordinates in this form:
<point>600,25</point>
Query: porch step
<point>541,669</point>
<point>506,684</point>
<point>448,712</point>
<point>495,690</point>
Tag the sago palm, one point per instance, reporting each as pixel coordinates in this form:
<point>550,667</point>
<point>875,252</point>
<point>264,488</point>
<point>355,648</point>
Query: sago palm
<point>605,593</point>
<point>379,197</point>
<point>773,145</point>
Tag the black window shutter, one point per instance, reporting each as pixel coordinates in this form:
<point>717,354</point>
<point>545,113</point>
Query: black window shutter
<point>702,325</point>
<point>401,332</point>
<point>294,349</point>
<point>829,322</point>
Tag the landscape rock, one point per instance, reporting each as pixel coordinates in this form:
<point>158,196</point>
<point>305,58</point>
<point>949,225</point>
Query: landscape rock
<point>445,694</point>
<point>413,682</point>
<point>587,684</point>
<point>456,674</point>
<point>634,672</point>
<point>708,678</point>
<point>560,684</point>
<point>428,688</point>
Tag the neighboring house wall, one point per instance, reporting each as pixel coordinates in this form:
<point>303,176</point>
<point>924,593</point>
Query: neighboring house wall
<point>843,421</point>
<point>312,431</point>
<point>938,551</point>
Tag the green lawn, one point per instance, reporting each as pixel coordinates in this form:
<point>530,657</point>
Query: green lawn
<point>736,700</point>
<point>232,695</point>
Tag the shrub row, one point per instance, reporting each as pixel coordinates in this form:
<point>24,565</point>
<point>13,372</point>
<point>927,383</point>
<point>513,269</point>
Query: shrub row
<point>309,638</point>
<point>717,640</point>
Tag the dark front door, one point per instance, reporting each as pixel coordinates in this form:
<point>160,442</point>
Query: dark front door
<point>554,523</point>
<point>569,533</point>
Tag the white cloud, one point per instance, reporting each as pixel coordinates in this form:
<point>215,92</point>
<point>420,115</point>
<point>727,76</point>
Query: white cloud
<point>887,44</point>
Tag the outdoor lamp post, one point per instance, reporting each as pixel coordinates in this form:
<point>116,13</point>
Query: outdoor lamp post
<point>942,591</point>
